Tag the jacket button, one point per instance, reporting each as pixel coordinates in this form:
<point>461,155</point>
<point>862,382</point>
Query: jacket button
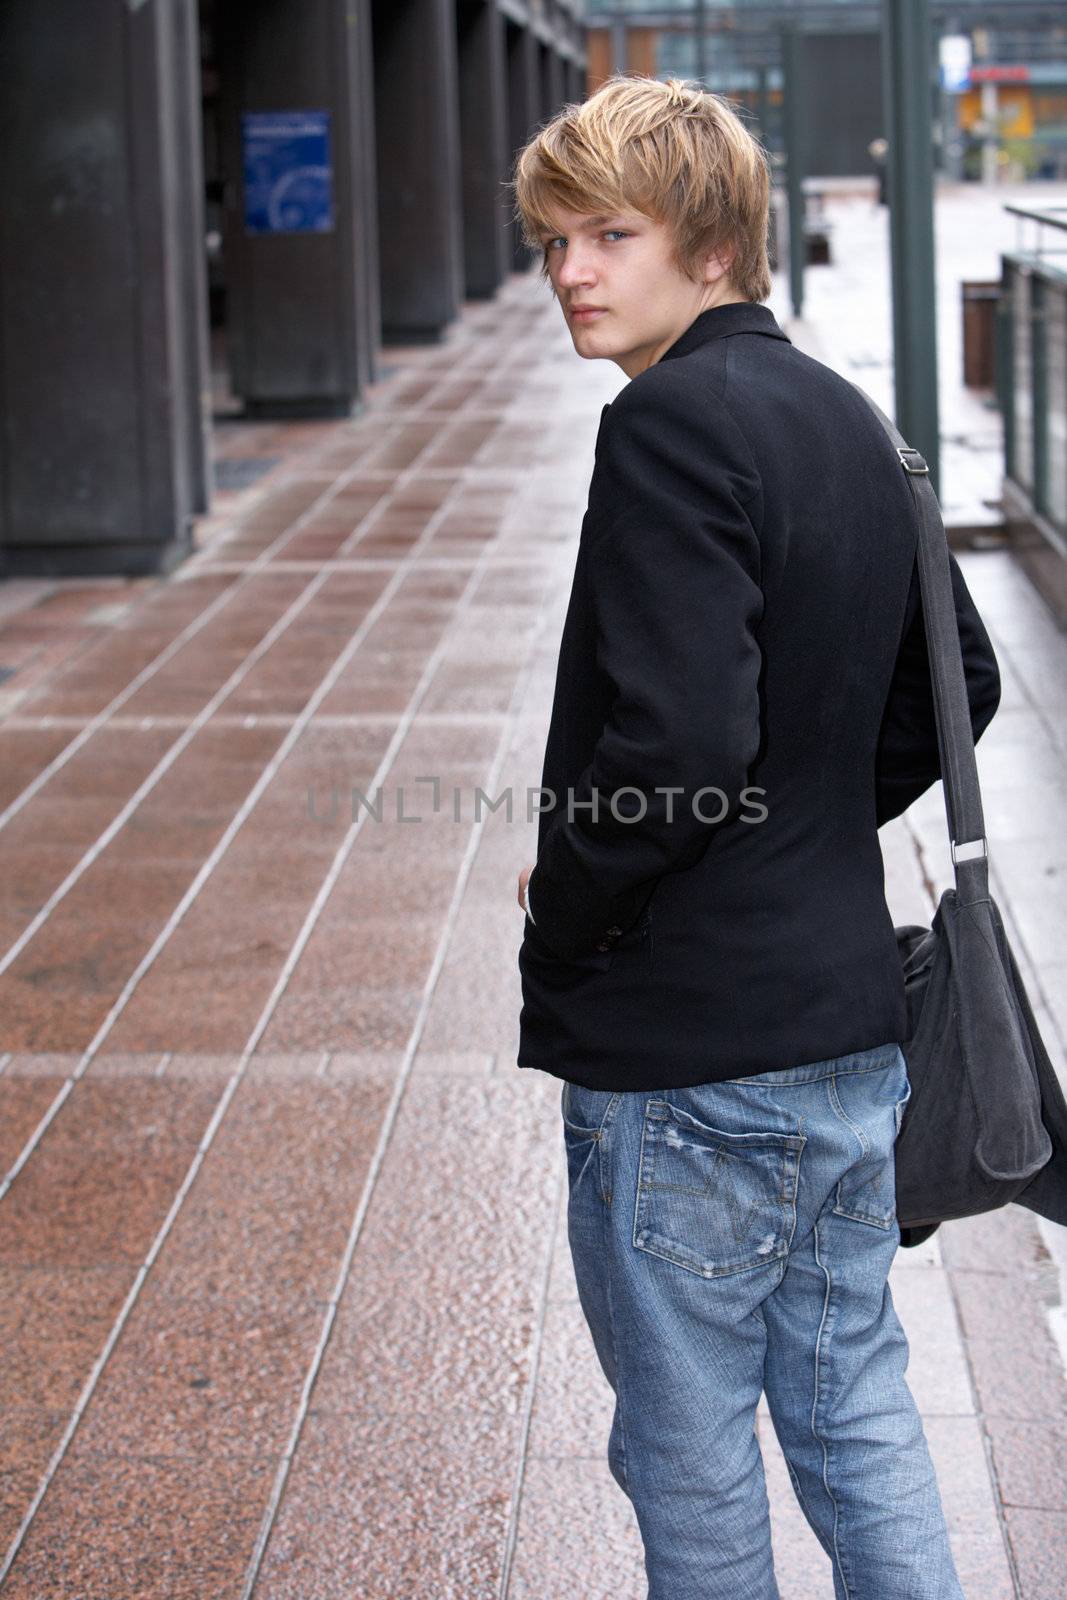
<point>613,933</point>
<point>603,945</point>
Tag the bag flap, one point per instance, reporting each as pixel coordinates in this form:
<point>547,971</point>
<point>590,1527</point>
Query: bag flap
<point>1001,1071</point>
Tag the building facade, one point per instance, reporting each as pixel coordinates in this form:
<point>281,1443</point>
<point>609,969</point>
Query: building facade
<point>289,183</point>
<point>1006,117</point>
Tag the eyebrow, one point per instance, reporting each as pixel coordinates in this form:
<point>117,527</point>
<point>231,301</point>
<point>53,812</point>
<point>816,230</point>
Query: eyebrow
<point>590,222</point>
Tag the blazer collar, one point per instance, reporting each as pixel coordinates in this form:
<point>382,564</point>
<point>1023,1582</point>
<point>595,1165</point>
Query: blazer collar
<point>739,316</point>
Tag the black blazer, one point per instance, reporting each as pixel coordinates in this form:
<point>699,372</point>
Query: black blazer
<point>744,617</point>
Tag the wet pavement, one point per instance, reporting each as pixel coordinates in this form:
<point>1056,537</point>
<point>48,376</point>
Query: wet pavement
<point>285,1295</point>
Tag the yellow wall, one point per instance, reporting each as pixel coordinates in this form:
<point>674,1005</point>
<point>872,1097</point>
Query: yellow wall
<point>641,51</point>
<point>598,53</point>
<point>640,54</point>
<point>1013,97</point>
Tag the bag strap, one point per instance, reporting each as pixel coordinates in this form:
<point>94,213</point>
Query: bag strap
<point>952,712</point>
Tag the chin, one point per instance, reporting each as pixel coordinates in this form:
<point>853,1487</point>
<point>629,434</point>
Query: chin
<point>585,337</point>
<point>593,355</point>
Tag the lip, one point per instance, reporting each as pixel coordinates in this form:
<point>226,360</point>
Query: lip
<point>581,313</point>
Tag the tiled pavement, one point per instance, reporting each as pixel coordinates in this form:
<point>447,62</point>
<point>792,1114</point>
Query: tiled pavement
<point>285,1297</point>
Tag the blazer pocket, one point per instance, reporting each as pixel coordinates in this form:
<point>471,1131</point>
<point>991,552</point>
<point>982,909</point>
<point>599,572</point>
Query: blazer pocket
<point>714,1202</point>
<point>638,935</point>
<point>588,961</point>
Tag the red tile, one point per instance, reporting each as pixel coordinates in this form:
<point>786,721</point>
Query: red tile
<point>23,1102</point>
<point>24,753</point>
<point>1039,1544</point>
<point>576,1527</point>
<point>201,1377</point>
<point>176,1529</point>
<point>387,1515</point>
<point>102,1181</point>
<point>269,1215</point>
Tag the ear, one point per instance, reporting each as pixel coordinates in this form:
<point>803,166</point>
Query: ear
<point>717,265</point>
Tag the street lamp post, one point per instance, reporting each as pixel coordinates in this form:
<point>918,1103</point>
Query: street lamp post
<point>906,58</point>
<point>793,139</point>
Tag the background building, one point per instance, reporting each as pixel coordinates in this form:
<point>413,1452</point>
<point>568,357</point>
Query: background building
<point>339,163</point>
<point>236,202</point>
<point>1012,108</point>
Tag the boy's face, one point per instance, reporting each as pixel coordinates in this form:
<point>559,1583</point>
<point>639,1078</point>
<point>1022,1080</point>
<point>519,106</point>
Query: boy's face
<point>623,265</point>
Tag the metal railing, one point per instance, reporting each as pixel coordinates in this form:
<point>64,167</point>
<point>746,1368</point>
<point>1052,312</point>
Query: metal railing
<point>1032,373</point>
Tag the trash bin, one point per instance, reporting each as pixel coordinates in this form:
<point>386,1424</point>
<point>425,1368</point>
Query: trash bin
<point>817,228</point>
<point>979,303</point>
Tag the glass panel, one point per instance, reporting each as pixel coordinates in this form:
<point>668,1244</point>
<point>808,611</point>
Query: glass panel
<point>1056,383</point>
<point>1022,380</point>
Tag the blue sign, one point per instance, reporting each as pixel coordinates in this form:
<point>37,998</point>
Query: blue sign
<point>287,171</point>
<point>955,55</point>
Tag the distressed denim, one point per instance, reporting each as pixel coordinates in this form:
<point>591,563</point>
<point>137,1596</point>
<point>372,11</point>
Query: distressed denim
<point>735,1238</point>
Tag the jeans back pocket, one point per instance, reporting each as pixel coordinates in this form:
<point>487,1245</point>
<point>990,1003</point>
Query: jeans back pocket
<point>710,1201</point>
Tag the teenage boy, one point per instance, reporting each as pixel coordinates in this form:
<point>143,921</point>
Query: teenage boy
<point>708,962</point>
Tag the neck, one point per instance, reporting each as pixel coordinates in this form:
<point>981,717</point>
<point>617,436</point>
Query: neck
<point>724,297</point>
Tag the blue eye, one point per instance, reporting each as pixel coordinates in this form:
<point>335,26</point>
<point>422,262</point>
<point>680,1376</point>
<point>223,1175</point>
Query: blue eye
<point>610,232</point>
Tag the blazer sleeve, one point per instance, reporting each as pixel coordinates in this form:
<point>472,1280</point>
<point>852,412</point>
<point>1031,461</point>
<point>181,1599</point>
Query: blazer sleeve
<point>908,760</point>
<point>673,566</point>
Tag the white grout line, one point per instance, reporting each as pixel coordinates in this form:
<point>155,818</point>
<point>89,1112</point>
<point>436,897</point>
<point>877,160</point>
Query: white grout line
<point>146,674</point>
<point>428,673</point>
<point>203,716</point>
<point>385,1132</point>
<point>446,413</point>
<point>478,474</point>
<point>193,568</point>
<point>511,1538</point>
<point>503,559</point>
<point>230,1090</point>
<point>1050,1233</point>
<point>300,723</point>
<point>158,772</point>
<point>270,719</point>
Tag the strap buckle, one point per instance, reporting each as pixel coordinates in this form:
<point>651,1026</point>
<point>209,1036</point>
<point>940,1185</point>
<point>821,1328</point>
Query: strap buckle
<point>971,850</point>
<point>916,464</point>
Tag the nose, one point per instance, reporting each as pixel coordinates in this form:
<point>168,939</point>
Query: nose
<point>577,266</point>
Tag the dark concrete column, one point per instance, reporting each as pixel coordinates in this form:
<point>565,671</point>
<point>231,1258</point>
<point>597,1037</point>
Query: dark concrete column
<point>551,82</point>
<point>367,252</point>
<point>573,80</point>
<point>763,105</point>
<point>102,370</point>
<point>188,244</point>
<point>523,114</point>
<point>300,258</point>
<point>420,222</point>
<point>483,144</point>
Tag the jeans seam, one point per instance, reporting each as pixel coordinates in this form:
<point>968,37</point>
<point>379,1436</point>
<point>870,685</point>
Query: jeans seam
<point>865,1143</point>
<point>758,1080</point>
<point>606,1223</point>
<point>604,1149</point>
<point>836,1555</point>
<point>840,1205</point>
<point>813,1521</point>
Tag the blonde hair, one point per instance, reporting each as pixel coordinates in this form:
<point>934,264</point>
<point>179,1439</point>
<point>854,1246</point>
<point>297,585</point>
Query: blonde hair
<point>664,147</point>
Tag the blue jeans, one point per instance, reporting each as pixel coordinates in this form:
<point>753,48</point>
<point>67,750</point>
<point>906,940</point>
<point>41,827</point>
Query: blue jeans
<point>734,1238</point>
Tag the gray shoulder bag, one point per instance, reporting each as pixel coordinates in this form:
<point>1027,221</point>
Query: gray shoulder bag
<point>986,1123</point>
